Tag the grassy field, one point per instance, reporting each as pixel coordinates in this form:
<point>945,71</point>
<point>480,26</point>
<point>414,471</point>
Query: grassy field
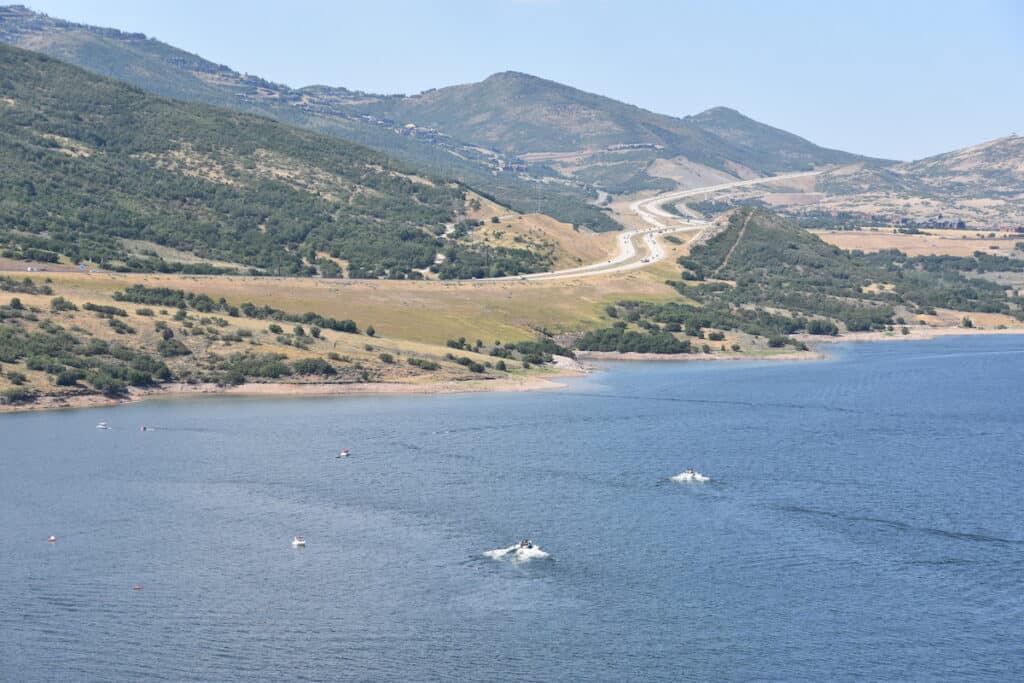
<point>429,312</point>
<point>929,242</point>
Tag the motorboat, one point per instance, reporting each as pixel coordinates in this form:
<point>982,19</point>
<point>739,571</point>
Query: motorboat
<point>343,453</point>
<point>102,425</point>
<point>522,551</point>
<point>299,542</point>
<point>690,475</point>
<point>51,539</point>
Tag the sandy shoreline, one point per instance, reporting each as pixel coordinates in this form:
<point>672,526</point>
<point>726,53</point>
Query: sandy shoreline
<point>564,367</point>
<point>288,389</point>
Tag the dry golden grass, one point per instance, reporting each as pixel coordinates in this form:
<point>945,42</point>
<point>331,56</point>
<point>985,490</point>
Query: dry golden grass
<point>931,242</point>
<point>570,248</point>
<point>429,312</point>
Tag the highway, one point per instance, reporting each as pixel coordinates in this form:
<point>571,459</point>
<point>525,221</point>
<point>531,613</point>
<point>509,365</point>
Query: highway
<point>639,248</point>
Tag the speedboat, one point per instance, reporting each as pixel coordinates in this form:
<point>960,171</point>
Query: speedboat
<point>343,454</point>
<point>520,552</point>
<point>690,475</point>
<point>102,425</point>
<point>51,539</point>
<point>299,542</point>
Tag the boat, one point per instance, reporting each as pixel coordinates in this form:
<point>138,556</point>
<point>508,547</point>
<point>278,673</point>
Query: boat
<point>299,542</point>
<point>102,425</point>
<point>51,539</point>
<point>690,475</point>
<point>343,453</point>
<point>520,552</point>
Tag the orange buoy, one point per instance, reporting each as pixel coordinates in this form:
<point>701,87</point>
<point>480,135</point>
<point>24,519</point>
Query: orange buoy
<point>51,539</point>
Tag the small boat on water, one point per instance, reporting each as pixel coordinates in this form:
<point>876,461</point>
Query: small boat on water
<point>343,453</point>
<point>522,551</point>
<point>102,425</point>
<point>51,539</point>
<point>690,475</point>
<point>299,542</point>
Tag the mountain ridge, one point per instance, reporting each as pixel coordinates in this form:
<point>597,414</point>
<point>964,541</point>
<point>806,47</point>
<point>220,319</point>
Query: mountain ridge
<point>487,155</point>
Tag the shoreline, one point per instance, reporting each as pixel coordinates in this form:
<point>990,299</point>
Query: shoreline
<point>564,368</point>
<point>173,391</point>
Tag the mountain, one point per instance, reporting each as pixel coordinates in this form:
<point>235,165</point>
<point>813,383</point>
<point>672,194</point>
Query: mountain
<point>771,147</point>
<point>98,170</point>
<point>530,142</point>
<point>980,186</point>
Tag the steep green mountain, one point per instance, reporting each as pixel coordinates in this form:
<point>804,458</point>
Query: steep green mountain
<point>92,168</point>
<point>164,70</point>
<point>531,143</point>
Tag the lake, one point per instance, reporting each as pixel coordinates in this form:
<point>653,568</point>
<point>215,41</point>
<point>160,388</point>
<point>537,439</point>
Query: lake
<point>863,520</point>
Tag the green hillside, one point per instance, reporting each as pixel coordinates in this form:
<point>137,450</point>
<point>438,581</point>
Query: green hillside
<point>90,163</point>
<point>165,70</point>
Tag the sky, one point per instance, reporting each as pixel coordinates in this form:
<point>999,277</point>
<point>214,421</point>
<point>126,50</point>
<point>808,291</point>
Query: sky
<point>900,80</point>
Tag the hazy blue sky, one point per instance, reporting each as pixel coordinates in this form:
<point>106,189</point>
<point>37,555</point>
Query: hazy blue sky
<point>894,79</point>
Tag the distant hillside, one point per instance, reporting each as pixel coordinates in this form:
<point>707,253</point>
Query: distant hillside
<point>531,143</point>
<point>96,170</point>
<point>581,133</point>
<point>771,147</point>
<point>981,186</point>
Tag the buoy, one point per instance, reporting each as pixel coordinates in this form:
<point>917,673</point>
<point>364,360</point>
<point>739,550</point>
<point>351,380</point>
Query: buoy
<point>51,539</point>
<point>137,587</point>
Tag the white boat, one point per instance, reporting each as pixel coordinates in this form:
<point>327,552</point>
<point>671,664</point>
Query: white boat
<point>690,475</point>
<point>522,551</point>
<point>102,425</point>
<point>299,542</point>
<point>343,453</point>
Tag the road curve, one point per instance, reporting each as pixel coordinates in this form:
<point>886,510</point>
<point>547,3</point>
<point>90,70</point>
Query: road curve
<point>639,248</point>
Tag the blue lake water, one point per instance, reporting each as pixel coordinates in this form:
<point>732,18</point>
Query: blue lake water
<point>864,521</point>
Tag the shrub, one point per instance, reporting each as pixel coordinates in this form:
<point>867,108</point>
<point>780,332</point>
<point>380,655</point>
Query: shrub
<point>172,347</point>
<point>387,358</point>
<point>16,377</point>
<point>16,395</point>
<point>313,366</point>
<point>274,328</point>
<point>59,303</point>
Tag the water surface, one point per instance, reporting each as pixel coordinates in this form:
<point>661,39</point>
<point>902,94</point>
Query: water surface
<point>864,521</point>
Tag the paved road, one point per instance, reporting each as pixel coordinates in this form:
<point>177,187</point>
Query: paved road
<point>640,247</point>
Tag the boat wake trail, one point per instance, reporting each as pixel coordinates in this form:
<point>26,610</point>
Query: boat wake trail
<point>903,526</point>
